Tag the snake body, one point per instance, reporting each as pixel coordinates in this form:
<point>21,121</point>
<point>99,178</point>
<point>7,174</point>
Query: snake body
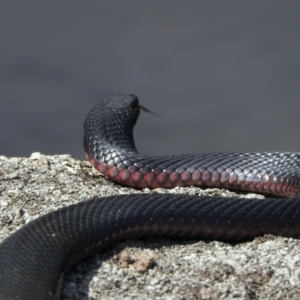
<point>34,258</point>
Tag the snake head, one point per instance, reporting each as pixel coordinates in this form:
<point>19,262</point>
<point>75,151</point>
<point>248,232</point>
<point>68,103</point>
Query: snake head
<point>119,101</point>
<point>109,125</point>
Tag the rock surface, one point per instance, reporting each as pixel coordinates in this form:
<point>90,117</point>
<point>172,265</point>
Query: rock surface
<point>150,268</point>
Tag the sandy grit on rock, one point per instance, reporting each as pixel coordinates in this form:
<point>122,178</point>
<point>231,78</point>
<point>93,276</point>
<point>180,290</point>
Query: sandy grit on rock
<point>150,268</point>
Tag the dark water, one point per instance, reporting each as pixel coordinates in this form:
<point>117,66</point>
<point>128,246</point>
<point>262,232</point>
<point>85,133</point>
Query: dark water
<point>223,75</point>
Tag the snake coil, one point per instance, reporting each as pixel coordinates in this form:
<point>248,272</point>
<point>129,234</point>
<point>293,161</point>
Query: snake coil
<point>34,258</point>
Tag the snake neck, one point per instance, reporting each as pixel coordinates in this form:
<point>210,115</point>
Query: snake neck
<point>109,146</point>
<point>109,132</point>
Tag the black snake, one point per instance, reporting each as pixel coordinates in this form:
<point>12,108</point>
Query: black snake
<point>34,258</point>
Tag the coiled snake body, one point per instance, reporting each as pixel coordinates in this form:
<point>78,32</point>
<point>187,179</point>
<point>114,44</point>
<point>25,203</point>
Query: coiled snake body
<point>34,258</point>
